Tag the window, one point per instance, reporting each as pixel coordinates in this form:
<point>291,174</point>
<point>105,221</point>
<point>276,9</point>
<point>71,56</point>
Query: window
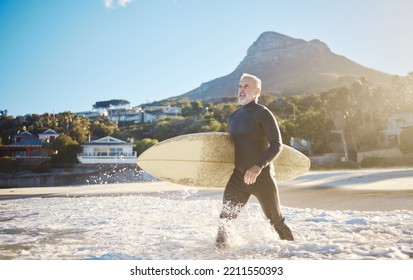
<point>115,151</point>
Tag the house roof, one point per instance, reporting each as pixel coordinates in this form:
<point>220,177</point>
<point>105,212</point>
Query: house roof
<point>25,133</point>
<point>49,131</point>
<point>24,136</point>
<point>29,143</point>
<point>107,141</point>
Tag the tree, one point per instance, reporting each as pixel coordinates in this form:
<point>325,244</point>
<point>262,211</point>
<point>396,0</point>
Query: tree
<point>221,112</point>
<point>80,129</point>
<point>314,126</point>
<point>192,108</point>
<point>197,105</point>
<point>67,151</point>
<point>287,129</point>
<point>144,144</point>
<point>266,99</point>
<point>338,105</point>
<point>111,103</point>
<point>7,128</point>
<point>171,127</point>
<point>212,126</point>
<point>365,122</point>
<point>79,134</point>
<point>101,128</point>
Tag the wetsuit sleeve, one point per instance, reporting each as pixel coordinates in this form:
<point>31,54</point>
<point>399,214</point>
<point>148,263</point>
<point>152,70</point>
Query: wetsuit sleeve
<point>272,133</point>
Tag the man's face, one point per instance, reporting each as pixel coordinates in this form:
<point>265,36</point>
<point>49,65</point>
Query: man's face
<point>247,90</point>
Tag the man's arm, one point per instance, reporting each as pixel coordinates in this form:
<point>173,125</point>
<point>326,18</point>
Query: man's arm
<point>273,135</point>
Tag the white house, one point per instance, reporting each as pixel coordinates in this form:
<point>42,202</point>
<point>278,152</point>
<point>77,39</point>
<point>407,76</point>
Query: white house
<point>123,115</point>
<point>94,114</point>
<point>165,109</point>
<point>301,145</point>
<point>107,150</point>
<point>395,126</point>
<point>48,135</point>
<point>152,113</point>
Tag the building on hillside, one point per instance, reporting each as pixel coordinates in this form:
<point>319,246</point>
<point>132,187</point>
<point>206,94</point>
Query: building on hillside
<point>125,116</point>
<point>153,113</point>
<point>149,117</point>
<point>48,135</point>
<point>94,114</point>
<point>301,145</point>
<point>107,150</point>
<point>395,125</point>
<point>128,116</point>
<point>27,145</point>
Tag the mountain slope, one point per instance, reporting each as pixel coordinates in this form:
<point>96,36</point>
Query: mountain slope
<point>290,66</point>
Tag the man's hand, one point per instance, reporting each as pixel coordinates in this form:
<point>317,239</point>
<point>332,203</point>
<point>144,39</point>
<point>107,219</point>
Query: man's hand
<point>251,175</point>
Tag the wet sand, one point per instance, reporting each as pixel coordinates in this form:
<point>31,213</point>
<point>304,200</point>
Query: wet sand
<point>363,190</point>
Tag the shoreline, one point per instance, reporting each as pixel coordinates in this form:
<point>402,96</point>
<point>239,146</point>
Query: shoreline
<point>363,190</point>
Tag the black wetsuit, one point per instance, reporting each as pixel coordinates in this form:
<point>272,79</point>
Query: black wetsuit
<point>257,141</point>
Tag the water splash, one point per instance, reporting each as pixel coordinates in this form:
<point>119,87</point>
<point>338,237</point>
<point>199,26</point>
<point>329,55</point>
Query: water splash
<point>183,225</point>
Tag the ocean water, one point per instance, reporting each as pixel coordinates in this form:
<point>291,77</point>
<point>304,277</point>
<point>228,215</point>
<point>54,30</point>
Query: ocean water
<point>183,225</point>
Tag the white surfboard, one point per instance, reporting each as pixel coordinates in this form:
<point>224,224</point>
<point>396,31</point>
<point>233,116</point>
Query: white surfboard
<point>207,160</point>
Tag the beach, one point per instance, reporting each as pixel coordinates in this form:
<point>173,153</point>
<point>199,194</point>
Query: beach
<point>362,214</point>
<point>364,190</point>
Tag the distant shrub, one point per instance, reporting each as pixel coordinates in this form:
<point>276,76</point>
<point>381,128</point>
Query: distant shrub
<point>406,143</point>
<point>337,165</point>
<point>9,165</point>
<point>42,167</point>
<point>346,165</point>
<point>406,161</point>
<point>371,162</point>
<point>144,144</point>
<point>377,162</point>
<point>386,162</point>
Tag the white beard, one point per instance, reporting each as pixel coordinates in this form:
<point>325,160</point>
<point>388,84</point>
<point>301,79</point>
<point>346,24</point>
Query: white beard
<point>244,100</point>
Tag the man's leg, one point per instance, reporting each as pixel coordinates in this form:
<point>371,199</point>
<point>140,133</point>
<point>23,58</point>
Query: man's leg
<point>234,200</point>
<point>266,191</point>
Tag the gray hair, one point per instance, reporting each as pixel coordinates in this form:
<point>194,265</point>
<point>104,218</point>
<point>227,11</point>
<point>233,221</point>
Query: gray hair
<point>255,78</point>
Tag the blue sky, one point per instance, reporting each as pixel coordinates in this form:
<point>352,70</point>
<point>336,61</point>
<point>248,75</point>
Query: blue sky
<point>64,55</point>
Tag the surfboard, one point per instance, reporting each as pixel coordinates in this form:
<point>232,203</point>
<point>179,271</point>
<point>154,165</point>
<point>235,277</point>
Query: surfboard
<point>207,160</point>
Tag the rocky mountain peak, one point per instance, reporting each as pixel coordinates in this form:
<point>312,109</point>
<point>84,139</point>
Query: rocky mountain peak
<point>270,41</point>
<point>272,46</point>
<point>289,66</point>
